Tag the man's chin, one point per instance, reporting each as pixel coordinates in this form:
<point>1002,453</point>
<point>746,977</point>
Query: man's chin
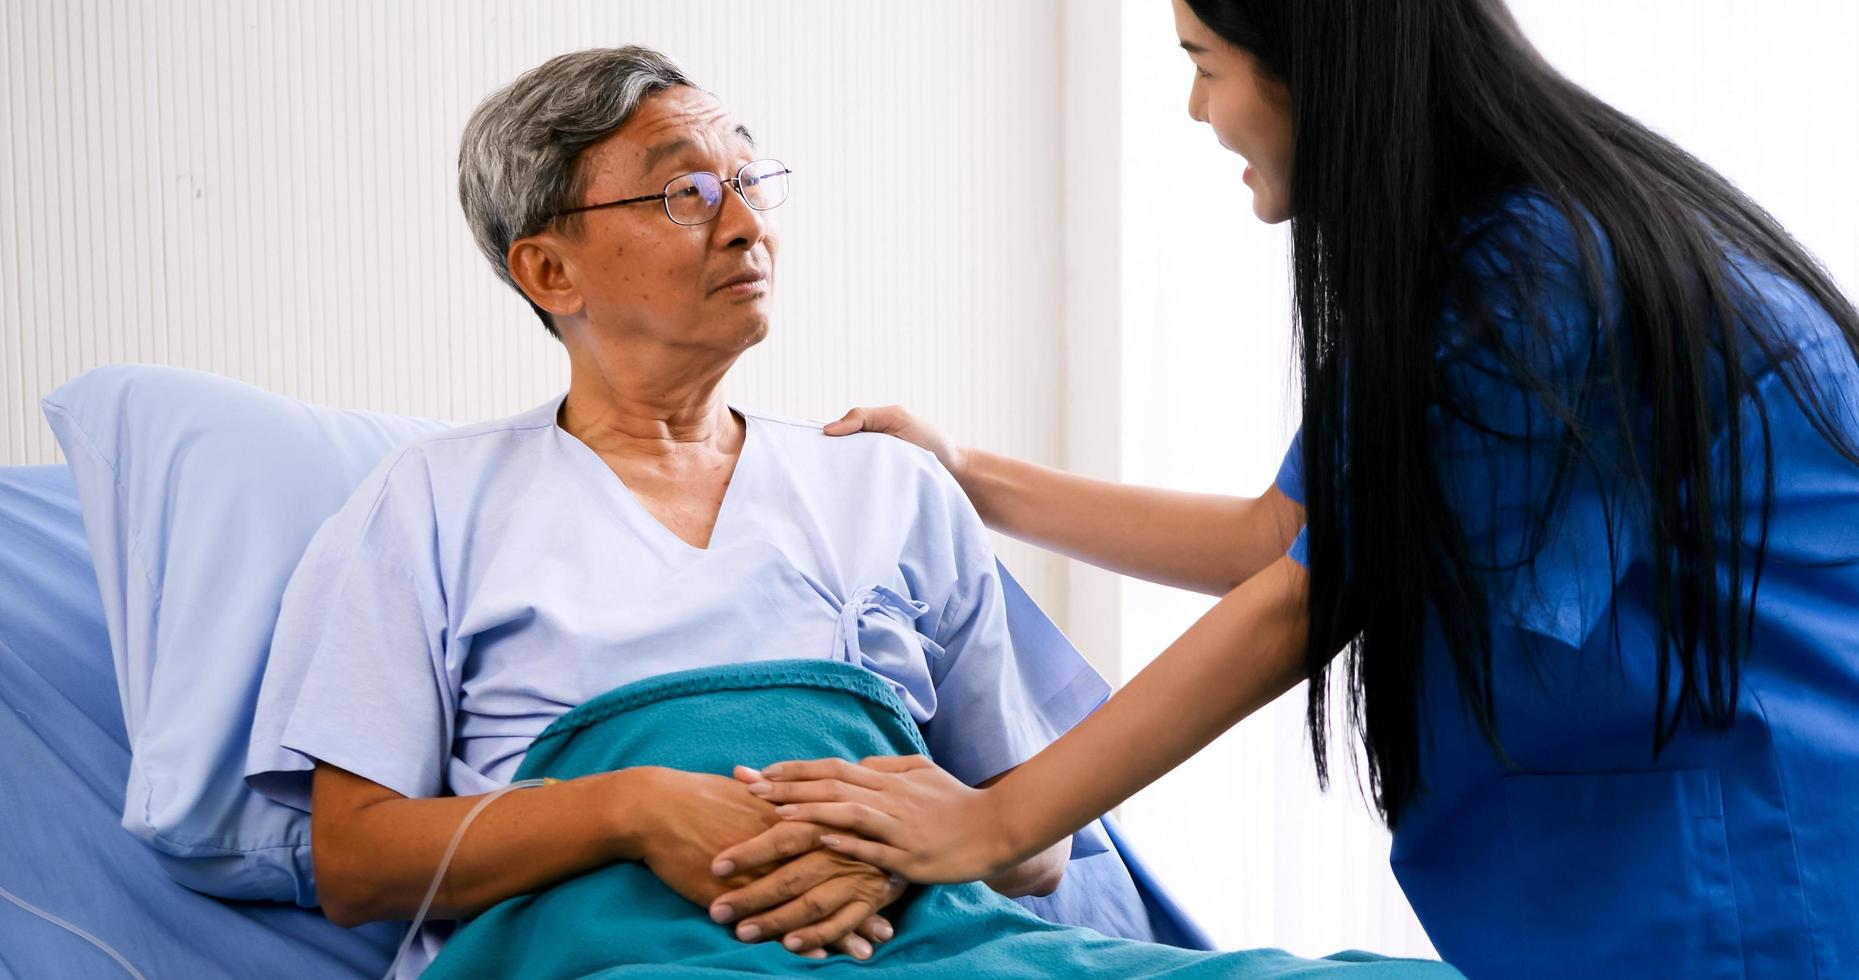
<point>754,331</point>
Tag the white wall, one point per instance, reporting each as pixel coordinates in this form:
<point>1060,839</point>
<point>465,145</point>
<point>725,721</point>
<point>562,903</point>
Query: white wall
<point>1092,405</point>
<point>1768,93</point>
<point>266,190</point>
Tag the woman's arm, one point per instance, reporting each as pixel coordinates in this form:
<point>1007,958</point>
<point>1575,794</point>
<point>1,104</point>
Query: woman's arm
<point>1239,657</point>
<point>1209,543</point>
<point>1038,875</point>
<point>920,822</point>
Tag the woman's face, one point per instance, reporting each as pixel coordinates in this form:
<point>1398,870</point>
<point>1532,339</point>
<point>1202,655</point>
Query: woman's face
<point>1250,112</point>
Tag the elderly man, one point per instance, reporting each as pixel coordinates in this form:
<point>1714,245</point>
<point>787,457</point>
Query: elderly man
<point>486,581</point>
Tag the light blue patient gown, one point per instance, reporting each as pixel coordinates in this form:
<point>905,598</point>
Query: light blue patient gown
<point>1733,853</point>
<point>486,580</point>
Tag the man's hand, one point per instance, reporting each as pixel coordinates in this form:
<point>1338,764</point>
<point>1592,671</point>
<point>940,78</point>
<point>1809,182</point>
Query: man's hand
<point>683,817</point>
<point>687,817</point>
<point>797,899</point>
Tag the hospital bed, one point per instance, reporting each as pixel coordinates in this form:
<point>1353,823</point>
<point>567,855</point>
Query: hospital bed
<point>64,759</point>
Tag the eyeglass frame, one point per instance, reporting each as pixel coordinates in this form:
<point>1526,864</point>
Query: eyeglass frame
<point>665,195</point>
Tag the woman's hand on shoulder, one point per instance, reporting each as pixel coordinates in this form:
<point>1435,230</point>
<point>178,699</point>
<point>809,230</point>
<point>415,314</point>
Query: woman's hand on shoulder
<point>895,420</point>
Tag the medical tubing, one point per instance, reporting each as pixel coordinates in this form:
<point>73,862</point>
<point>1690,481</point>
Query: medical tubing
<point>445,862</point>
<point>74,930</point>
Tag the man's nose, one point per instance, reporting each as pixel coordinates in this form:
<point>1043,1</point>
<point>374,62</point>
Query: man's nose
<point>738,223</point>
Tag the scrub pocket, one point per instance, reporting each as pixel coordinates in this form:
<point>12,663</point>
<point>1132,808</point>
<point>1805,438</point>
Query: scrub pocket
<point>1623,874</point>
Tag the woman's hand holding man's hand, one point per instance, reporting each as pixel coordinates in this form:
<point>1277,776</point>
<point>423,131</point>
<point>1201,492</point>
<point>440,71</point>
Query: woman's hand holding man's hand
<point>811,899</point>
<point>900,813</point>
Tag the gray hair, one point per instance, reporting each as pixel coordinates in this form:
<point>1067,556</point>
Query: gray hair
<point>517,159</point>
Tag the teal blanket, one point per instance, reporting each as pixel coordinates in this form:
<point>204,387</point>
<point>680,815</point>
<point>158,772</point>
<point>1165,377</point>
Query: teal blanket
<point>621,921</point>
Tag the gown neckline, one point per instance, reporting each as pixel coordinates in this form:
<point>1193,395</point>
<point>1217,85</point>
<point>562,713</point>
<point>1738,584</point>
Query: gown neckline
<point>631,503</point>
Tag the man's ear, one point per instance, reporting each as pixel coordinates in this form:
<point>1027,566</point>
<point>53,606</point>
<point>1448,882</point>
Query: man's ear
<point>537,265</point>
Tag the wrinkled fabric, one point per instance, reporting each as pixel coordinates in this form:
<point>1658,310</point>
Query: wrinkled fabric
<point>879,626</point>
<point>620,921</point>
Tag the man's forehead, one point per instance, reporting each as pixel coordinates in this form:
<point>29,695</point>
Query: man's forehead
<point>670,123</point>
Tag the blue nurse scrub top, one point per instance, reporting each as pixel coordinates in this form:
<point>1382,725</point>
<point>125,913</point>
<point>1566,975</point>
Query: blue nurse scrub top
<point>1732,854</point>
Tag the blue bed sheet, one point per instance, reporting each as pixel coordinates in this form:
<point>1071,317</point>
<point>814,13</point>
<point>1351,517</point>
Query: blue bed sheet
<point>64,758</point>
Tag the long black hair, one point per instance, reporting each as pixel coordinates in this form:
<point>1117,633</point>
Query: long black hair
<point>1410,118</point>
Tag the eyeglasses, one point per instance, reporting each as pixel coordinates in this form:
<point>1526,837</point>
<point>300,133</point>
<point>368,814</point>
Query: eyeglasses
<point>694,199</point>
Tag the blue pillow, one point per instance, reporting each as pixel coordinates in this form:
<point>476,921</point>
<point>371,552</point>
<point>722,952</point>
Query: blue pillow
<point>199,495</point>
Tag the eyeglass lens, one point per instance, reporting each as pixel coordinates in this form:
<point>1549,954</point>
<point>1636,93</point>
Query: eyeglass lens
<point>696,198</point>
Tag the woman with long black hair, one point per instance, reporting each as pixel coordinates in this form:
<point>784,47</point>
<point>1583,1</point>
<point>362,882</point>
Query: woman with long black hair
<point>1576,500</point>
